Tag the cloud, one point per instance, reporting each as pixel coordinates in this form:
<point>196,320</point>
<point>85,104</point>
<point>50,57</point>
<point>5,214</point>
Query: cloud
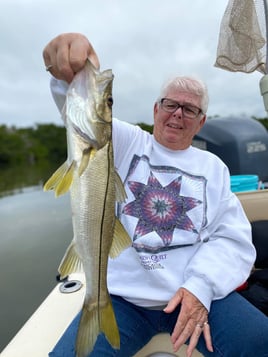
<point>144,42</point>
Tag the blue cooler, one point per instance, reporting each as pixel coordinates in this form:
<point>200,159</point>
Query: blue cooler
<point>241,183</point>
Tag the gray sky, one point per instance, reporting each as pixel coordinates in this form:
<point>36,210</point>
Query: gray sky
<point>143,41</point>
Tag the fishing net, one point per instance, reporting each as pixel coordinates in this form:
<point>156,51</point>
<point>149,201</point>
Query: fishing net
<point>242,38</point>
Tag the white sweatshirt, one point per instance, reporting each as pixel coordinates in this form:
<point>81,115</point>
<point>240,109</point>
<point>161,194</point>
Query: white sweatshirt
<point>188,229</point>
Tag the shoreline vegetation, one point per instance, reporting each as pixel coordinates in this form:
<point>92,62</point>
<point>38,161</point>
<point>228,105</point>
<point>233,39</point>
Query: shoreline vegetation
<point>28,156</point>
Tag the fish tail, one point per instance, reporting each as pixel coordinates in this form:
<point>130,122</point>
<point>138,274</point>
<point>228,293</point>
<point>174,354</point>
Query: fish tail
<point>89,328</point>
<point>108,324</point>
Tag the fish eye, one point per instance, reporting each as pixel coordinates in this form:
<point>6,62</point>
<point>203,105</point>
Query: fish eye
<point>110,101</point>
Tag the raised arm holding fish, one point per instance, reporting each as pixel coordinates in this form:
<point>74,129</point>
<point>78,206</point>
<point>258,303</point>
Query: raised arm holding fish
<point>191,241</point>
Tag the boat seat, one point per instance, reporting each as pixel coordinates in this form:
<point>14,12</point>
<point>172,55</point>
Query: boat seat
<point>255,204</point>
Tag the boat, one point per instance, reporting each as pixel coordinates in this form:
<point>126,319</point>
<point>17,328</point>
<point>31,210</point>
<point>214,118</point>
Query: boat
<point>45,327</point>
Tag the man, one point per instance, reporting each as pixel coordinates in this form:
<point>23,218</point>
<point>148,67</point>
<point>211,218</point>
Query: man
<point>191,240</point>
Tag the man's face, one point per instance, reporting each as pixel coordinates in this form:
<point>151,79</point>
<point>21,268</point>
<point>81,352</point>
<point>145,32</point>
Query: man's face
<point>175,130</point>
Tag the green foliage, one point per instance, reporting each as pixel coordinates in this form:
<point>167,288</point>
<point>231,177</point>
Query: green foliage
<point>263,121</point>
<point>11,146</point>
<point>51,142</point>
<point>45,142</point>
<point>146,127</point>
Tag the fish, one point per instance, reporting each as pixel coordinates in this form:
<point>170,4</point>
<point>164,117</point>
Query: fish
<point>95,186</point>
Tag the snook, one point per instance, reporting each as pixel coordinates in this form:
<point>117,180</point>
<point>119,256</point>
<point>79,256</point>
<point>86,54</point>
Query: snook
<point>95,186</point>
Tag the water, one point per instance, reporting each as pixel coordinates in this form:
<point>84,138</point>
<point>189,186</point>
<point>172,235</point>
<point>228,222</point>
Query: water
<point>35,230</point>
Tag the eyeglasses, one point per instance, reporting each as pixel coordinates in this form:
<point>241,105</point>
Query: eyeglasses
<point>188,111</point>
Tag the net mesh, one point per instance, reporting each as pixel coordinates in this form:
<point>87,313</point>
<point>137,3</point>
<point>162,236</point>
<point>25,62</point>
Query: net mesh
<point>242,38</point>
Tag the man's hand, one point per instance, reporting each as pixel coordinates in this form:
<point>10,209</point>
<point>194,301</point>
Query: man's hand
<point>191,323</point>
<point>66,54</point>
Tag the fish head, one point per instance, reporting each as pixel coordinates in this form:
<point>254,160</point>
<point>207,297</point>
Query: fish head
<point>88,106</point>
<point>100,106</point>
<point>103,96</point>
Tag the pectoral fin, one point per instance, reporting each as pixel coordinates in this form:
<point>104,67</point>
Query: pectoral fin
<point>71,262</point>
<point>54,180</point>
<point>61,180</point>
<point>121,240</point>
<point>88,154</point>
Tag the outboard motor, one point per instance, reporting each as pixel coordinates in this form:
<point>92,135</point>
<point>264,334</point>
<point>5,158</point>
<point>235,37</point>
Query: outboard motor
<point>242,143</point>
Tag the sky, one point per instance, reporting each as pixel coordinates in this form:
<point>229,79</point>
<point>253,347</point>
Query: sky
<point>143,41</point>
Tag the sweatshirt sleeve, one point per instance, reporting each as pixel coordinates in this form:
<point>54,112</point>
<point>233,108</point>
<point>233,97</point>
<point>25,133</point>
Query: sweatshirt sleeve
<point>226,256</point>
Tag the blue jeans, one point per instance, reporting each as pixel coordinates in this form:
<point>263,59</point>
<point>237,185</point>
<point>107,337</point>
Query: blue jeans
<point>238,329</point>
